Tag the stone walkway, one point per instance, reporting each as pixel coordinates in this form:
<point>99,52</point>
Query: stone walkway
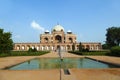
<point>54,74</point>
<point>54,54</point>
<point>108,59</point>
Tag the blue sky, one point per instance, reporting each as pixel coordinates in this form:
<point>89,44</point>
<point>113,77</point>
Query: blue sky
<point>88,19</point>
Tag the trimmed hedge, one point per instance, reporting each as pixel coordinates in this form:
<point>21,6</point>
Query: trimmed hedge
<point>95,53</point>
<point>115,51</point>
<point>32,50</point>
<point>90,52</point>
<point>75,52</point>
<point>4,55</point>
<point>24,53</point>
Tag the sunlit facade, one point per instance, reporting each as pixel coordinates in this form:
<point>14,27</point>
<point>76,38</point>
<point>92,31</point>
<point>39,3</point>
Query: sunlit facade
<point>57,39</point>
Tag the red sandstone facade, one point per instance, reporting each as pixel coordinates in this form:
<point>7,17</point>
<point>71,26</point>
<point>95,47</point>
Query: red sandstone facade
<point>57,38</point>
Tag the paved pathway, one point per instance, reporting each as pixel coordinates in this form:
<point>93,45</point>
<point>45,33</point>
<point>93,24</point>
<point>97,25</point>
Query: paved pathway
<point>54,74</point>
<point>55,54</point>
<point>109,59</point>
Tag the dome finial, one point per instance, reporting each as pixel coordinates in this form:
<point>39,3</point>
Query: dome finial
<point>57,23</point>
<point>58,28</point>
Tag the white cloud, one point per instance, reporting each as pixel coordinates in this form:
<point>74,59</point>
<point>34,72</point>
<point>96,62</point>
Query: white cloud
<point>17,36</point>
<point>36,26</point>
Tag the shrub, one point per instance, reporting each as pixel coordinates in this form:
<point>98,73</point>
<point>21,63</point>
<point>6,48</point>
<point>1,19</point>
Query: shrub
<point>115,51</point>
<point>75,52</point>
<point>85,50</point>
<point>32,50</point>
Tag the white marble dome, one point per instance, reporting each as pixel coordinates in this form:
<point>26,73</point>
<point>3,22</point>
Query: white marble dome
<point>58,28</point>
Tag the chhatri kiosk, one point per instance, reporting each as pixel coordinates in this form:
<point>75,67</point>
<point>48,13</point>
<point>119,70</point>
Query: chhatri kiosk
<point>57,38</point>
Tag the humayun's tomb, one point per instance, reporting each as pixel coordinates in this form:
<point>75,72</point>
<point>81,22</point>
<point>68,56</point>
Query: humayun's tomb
<point>57,38</point>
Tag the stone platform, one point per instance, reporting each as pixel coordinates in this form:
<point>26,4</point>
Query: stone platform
<point>54,74</point>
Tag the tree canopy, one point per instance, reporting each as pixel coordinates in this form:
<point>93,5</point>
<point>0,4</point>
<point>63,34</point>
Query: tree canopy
<point>6,43</point>
<point>73,47</point>
<point>80,47</point>
<point>113,36</point>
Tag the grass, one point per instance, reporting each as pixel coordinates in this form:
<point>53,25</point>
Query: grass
<point>23,53</point>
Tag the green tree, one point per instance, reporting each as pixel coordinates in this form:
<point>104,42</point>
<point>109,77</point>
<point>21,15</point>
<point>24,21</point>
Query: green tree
<point>73,47</point>
<point>80,47</point>
<point>6,43</point>
<point>113,36</point>
<point>105,46</point>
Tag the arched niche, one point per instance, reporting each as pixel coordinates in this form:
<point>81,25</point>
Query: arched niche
<point>58,39</point>
<point>46,40</point>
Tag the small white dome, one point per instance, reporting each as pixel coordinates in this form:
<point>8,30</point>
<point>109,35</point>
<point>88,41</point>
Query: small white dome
<point>58,28</point>
<point>46,31</point>
<point>69,31</point>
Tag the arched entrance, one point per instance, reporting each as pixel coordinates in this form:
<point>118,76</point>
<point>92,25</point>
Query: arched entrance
<point>68,47</point>
<point>28,46</point>
<point>46,40</point>
<point>70,40</point>
<point>23,47</point>
<point>58,47</point>
<point>87,47</point>
<point>18,47</point>
<point>58,39</point>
